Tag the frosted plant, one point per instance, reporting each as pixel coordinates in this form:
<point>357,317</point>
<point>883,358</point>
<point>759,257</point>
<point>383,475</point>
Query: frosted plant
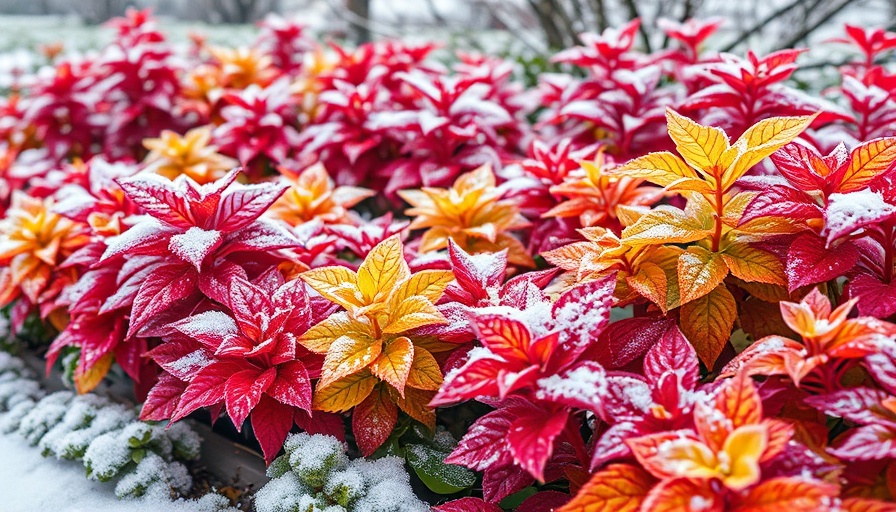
<point>316,476</point>
<point>88,417</point>
<point>155,477</point>
<point>46,413</point>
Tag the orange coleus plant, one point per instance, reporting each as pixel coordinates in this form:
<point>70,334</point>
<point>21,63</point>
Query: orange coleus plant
<point>713,466</point>
<point>313,195</point>
<point>374,362</point>
<point>594,196</point>
<point>718,244</point>
<point>830,344</point>
<point>34,241</point>
<point>472,213</point>
<point>172,155</point>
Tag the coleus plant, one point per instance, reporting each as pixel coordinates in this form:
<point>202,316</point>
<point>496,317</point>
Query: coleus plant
<point>265,298</point>
<point>374,362</point>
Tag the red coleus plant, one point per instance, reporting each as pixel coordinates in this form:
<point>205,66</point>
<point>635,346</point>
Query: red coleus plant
<point>246,359</point>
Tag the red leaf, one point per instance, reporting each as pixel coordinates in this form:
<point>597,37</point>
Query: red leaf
<point>810,262</point>
<point>157,196</point>
<point>531,438</point>
<point>624,341</point>
<point>582,313</point>
<point>206,388</point>
<point>467,505</point>
<point>271,421</point>
<point>373,421</point>
<point>241,204</point>
<point>876,298</point>
<point>292,385</point>
<point>544,501</point>
<point>321,422</point>
<point>160,291</point>
<point>162,400</point>
<point>673,353</point>
<point>243,392</point>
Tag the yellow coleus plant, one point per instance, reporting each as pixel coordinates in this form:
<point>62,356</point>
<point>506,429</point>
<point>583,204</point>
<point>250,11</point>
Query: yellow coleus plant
<point>472,213</point>
<point>718,244</point>
<point>373,360</point>
<point>314,195</point>
<point>172,155</point>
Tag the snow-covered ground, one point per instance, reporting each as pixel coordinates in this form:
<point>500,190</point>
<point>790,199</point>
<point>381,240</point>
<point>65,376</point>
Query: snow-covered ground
<point>31,483</point>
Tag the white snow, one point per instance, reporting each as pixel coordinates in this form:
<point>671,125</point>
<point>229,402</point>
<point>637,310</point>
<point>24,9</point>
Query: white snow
<point>29,482</point>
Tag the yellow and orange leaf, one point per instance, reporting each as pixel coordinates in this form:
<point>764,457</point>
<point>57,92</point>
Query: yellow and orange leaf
<point>701,146</point>
<point>411,313</point>
<point>394,363</point>
<point>753,265</point>
<point>382,270</point>
<point>319,338</point>
<point>699,272</point>
<point>425,374</point>
<point>867,163</point>
<point>761,140</point>
<point>662,168</point>
<point>87,381</point>
<point>665,225</point>
<point>792,494</point>
<point>707,323</point>
<point>616,488</point>
<point>337,284</point>
<point>348,355</point>
<point>343,394</point>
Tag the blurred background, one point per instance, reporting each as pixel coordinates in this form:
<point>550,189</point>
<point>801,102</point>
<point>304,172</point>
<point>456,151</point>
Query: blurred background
<point>536,25</point>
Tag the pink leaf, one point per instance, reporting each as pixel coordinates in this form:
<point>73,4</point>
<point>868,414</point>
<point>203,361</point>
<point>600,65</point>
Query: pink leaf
<point>810,262</point>
<point>531,438</point>
<point>467,505</point>
<point>271,421</point>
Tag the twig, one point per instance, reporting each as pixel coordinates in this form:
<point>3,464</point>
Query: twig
<point>762,24</point>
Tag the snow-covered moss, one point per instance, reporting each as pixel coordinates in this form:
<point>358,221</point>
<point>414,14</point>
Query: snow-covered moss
<point>146,459</point>
<point>314,475</point>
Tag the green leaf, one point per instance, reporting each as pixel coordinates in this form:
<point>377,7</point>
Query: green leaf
<point>441,478</point>
<point>516,499</point>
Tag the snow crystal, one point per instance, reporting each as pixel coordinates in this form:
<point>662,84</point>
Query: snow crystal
<point>699,503</point>
<point>155,478</point>
<point>215,323</point>
<point>43,416</point>
<point>846,213</point>
<point>581,319</point>
<point>345,486</point>
<point>194,245</point>
<point>583,384</point>
<point>391,496</point>
<point>105,456</point>
<point>281,494</point>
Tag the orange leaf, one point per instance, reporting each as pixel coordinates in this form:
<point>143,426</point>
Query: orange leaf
<point>699,272</point>
<point>616,488</point>
<point>752,264</point>
<point>373,420</point>
<point>394,364</point>
<point>382,270</point>
<point>662,168</point>
<point>85,382</point>
<point>505,337</point>
<point>650,282</point>
<point>425,372</point>
<point>348,355</point>
<point>793,494</point>
<point>684,494</point>
<point>345,393</point>
<point>739,401</point>
<point>707,323</point>
<point>867,162</point>
<point>866,505</point>
<point>701,146</point>
<point>415,404</point>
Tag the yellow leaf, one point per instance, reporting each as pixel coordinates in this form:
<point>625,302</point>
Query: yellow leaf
<point>415,403</point>
<point>427,283</point>
<point>701,146</point>
<point>348,355</point>
<point>568,257</point>
<point>345,393</point>
<point>867,162</point>
<point>382,270</point>
<point>86,382</point>
<point>664,225</point>
<point>394,364</point>
<point>753,265</point>
<point>319,338</point>
<point>662,168</point>
<point>761,140</point>
<point>699,271</point>
<point>413,312</point>
<point>334,283</point>
<point>707,323</point>
<point>744,447</point>
<point>650,282</point>
<point>425,373</point>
